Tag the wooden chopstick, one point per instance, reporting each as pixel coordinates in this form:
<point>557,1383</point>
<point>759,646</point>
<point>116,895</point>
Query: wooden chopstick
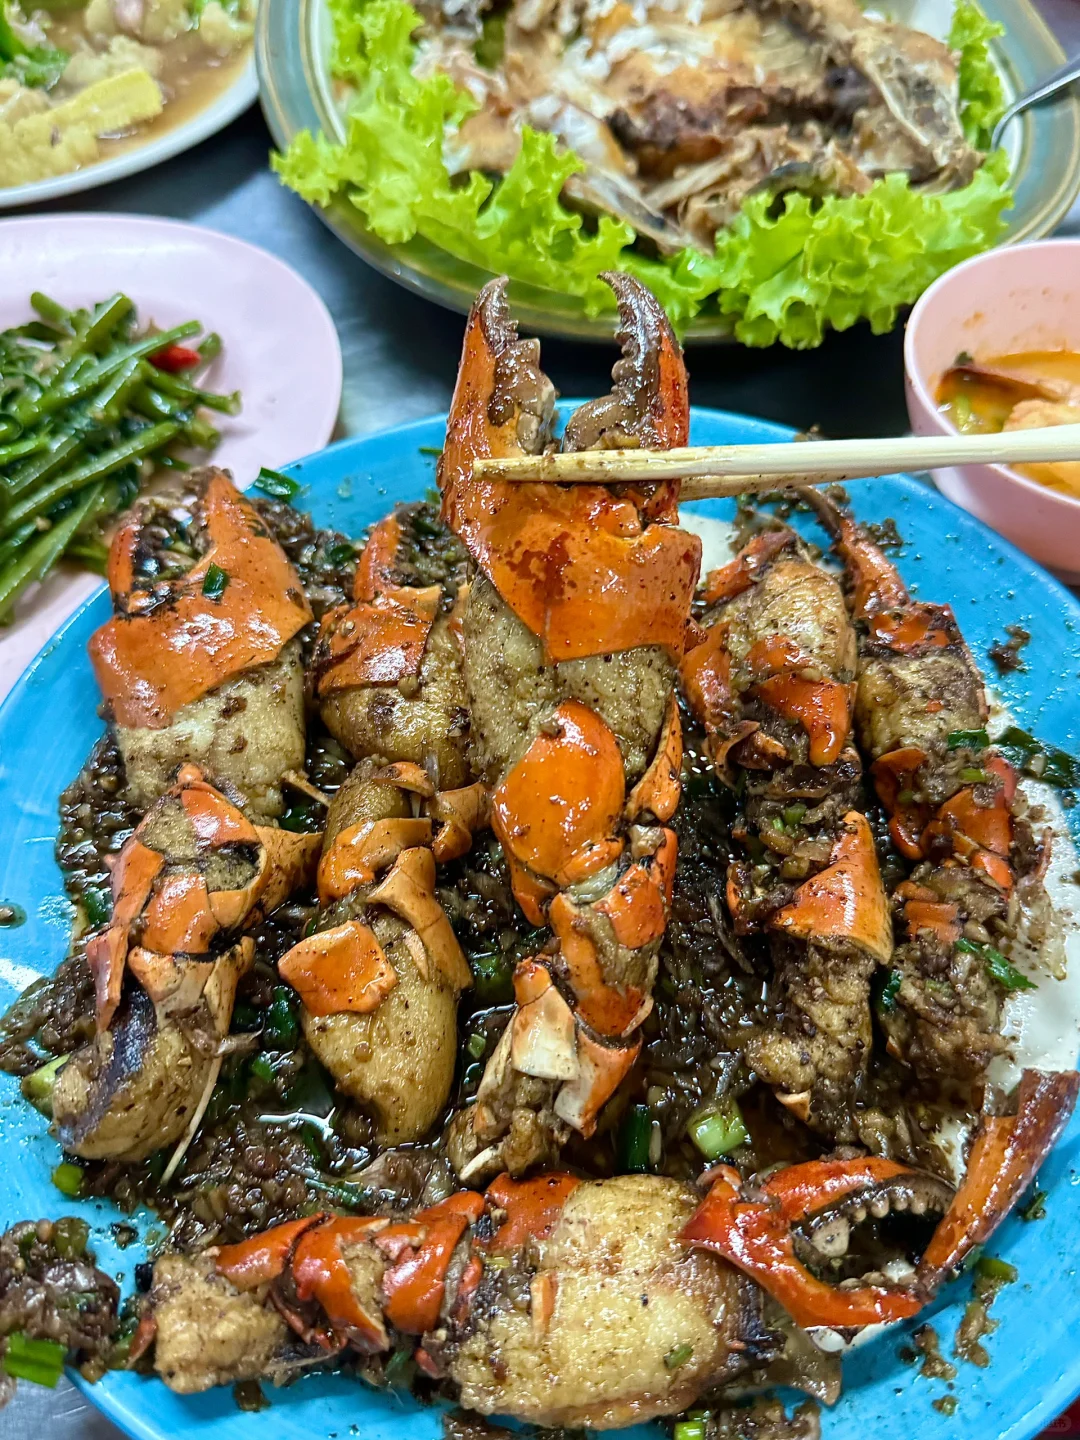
<point>719,470</point>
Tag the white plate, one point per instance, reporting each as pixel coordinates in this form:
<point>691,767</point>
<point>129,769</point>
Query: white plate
<point>280,349</point>
<point>228,105</point>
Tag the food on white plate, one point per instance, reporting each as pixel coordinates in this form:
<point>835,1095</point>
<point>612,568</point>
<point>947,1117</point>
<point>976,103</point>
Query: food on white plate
<point>582,1061</point>
<point>1024,391</point>
<point>794,166</point>
<point>80,81</point>
<point>93,403</point>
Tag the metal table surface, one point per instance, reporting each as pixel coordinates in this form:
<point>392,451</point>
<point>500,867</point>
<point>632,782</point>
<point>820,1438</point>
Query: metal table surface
<point>400,357</point>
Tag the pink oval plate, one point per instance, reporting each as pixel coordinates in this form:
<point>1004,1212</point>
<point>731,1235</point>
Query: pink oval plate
<point>280,349</point>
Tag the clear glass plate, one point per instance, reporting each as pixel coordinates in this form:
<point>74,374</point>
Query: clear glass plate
<point>292,45</point>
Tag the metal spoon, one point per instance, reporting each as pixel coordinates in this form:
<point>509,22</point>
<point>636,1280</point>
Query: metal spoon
<point>1069,72</point>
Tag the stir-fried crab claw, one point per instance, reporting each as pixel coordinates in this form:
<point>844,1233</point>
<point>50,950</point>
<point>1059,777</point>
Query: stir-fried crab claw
<point>570,633</point>
<point>953,811</point>
<point>205,667</point>
<point>387,667</point>
<point>379,976</point>
<point>194,875</point>
<point>553,1300</point>
<point>770,677</point>
<point>582,568</point>
<point>774,1229</point>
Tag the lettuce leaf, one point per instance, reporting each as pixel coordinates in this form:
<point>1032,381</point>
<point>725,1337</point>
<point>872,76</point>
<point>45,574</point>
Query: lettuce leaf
<point>786,273</point>
<point>982,94</point>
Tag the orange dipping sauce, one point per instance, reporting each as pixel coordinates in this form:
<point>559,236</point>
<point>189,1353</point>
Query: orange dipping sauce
<point>1017,392</point>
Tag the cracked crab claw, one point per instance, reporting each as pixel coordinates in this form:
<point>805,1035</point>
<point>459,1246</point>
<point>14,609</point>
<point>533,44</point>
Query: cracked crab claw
<point>582,568</point>
<point>649,403</point>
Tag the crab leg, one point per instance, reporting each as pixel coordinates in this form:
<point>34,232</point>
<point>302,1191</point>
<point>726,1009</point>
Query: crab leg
<point>380,975</point>
<point>193,877</point>
<point>553,1300</point>
<point>570,631</point>
<point>752,1224</point>
<point>770,679</point>
<point>387,668</point>
<point>205,668</point>
<point>975,868</point>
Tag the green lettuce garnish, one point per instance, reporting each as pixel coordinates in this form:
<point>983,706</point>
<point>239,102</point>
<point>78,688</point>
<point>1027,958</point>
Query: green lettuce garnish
<point>784,272</point>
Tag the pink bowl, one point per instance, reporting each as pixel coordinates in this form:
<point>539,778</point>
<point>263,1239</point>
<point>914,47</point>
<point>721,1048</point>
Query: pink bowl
<point>1024,297</point>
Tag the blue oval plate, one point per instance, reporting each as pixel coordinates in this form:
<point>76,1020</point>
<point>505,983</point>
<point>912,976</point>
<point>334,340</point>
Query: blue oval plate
<point>49,724</point>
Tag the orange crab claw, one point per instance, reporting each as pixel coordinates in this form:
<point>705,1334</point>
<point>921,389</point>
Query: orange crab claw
<point>737,575</point>
<point>638,903</point>
<point>558,808</point>
<point>342,969</point>
<point>263,1257</point>
<point>409,891</point>
<point>980,834</point>
<point>941,919</point>
<point>755,1235</point>
<point>649,404</point>
<point>178,919</point>
<point>460,814</point>
<point>705,674</point>
<point>917,627</point>
<point>601,1070</point>
<point>1004,1159</point>
<point>543,1040</point>
<point>106,954</point>
<point>215,820</point>
<point>150,665</point>
<point>532,1208</point>
<point>574,563</point>
<point>320,1272</point>
<point>607,1009</point>
<point>845,901</point>
<point>822,707</point>
<point>172,982</point>
<point>894,775</point>
<point>375,568</point>
<point>359,851</point>
<point>658,791</point>
<point>406,776</point>
<point>414,1284</point>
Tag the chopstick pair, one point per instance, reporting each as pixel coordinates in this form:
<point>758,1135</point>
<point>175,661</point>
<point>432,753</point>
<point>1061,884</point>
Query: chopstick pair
<point>717,471</point>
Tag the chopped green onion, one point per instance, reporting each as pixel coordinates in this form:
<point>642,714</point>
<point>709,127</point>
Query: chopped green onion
<point>476,1045</point>
<point>340,554</point>
<point>1004,972</point>
<point>635,1137</point>
<point>793,814</point>
<point>717,1129</point>
<point>281,1030</point>
<point>689,1430</point>
<point>493,976</point>
<point>68,1179</point>
<point>97,902</point>
<point>39,1361</point>
<point>973,776</point>
<point>1035,1209</point>
<point>214,582</point>
<point>263,1069</point>
<point>430,449</point>
<point>967,740</point>
<point>677,1356</point>
<point>399,1368</point>
<point>997,966</point>
<point>301,817</point>
<point>70,1236</point>
<point>38,1086</point>
<point>890,990</point>
<point>1046,762</point>
<point>989,1267</point>
<point>277,485</point>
